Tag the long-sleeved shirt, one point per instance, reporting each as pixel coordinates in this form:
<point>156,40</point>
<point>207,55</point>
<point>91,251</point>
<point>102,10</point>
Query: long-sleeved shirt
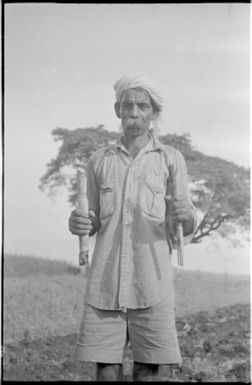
<point>131,263</point>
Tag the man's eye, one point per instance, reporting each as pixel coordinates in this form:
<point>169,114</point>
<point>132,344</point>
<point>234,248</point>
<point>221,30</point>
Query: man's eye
<point>143,105</point>
<point>126,105</point>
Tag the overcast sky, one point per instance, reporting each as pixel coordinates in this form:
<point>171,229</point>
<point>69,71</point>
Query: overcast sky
<point>61,61</point>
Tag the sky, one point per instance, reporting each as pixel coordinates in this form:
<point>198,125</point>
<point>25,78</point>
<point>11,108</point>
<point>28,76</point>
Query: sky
<point>61,61</point>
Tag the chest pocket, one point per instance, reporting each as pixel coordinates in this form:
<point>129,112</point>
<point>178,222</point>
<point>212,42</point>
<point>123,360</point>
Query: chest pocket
<point>152,200</point>
<point>107,199</point>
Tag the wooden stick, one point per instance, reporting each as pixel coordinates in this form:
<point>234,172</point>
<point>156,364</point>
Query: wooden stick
<point>179,227</point>
<point>82,204</point>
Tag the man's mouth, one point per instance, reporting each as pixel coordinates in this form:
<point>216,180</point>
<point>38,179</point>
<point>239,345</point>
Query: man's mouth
<point>132,121</point>
<point>132,125</point>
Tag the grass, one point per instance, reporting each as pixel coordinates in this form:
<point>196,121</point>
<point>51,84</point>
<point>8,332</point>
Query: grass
<point>39,303</point>
<point>24,265</point>
<point>196,290</point>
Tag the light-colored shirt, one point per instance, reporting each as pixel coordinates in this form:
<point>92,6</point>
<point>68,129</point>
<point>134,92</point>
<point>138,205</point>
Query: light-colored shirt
<point>131,264</point>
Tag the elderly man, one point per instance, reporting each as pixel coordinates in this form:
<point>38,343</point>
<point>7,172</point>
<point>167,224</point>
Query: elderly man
<point>129,294</point>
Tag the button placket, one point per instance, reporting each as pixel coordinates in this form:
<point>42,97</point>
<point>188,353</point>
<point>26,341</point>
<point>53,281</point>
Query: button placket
<point>126,248</point>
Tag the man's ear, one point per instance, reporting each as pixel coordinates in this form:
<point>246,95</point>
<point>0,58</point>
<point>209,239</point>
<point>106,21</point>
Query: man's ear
<point>154,115</point>
<point>117,109</point>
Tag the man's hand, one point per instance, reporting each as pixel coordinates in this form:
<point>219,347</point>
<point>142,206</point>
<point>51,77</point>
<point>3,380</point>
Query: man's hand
<point>179,210</point>
<point>80,224</point>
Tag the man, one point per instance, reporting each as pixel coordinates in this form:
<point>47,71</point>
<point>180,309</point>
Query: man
<point>129,294</point>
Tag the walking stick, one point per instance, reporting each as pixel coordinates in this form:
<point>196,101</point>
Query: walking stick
<point>179,227</point>
<point>82,204</point>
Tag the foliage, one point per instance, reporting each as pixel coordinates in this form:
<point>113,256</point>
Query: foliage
<point>219,189</point>
<point>76,148</point>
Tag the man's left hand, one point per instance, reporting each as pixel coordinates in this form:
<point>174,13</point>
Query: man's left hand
<point>179,210</point>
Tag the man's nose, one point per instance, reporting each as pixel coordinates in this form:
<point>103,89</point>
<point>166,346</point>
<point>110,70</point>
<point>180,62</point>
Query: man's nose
<point>134,111</point>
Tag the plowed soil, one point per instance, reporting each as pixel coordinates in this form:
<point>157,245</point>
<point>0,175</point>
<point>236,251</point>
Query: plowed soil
<point>215,346</point>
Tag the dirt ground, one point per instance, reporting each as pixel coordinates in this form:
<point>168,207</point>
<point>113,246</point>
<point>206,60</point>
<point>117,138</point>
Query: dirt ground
<point>215,346</point>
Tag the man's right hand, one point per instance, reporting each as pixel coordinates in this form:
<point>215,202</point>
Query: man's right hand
<point>80,224</point>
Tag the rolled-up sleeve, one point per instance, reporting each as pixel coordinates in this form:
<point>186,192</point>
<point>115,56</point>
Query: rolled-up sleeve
<point>181,180</point>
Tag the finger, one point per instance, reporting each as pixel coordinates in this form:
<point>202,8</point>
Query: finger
<point>79,213</point>
<point>180,202</point>
<point>180,198</point>
<point>76,228</point>
<point>79,232</point>
<point>80,225</point>
<point>180,218</point>
<point>80,229</point>
<point>178,211</point>
<point>92,213</point>
<point>80,220</point>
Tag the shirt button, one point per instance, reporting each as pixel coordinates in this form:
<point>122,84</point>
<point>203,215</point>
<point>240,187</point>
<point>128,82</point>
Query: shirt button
<point>127,223</point>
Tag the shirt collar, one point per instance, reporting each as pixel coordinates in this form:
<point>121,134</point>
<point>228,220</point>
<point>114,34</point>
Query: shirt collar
<point>152,145</point>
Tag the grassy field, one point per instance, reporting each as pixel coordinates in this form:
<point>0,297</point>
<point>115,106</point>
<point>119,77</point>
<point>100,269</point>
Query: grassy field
<point>39,303</point>
<point>21,266</point>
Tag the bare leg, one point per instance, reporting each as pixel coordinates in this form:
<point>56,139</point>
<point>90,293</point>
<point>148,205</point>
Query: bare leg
<point>109,372</point>
<point>145,372</point>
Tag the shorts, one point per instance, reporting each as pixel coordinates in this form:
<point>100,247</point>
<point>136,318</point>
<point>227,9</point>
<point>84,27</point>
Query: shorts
<point>104,335</point>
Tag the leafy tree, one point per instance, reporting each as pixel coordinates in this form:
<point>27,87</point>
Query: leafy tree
<point>219,189</point>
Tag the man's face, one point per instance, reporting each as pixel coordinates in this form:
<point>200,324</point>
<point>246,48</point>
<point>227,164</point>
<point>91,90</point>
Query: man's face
<point>135,111</point>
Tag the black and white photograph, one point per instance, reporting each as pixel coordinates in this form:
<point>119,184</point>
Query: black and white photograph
<point>126,192</point>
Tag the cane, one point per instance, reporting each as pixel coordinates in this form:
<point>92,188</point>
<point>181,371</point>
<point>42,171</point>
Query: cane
<point>179,227</point>
<point>82,205</point>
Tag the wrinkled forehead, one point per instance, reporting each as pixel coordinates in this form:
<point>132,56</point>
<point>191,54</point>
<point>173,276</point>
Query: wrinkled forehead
<point>133,94</point>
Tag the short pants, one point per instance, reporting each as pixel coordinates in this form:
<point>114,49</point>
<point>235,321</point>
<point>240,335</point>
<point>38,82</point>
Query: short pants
<point>104,335</point>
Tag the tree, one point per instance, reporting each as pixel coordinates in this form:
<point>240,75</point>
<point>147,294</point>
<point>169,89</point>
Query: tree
<point>219,189</point>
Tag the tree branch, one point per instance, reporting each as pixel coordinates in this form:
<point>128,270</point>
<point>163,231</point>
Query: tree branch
<point>205,229</point>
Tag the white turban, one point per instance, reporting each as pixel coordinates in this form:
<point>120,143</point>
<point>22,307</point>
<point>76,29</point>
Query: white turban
<point>127,82</point>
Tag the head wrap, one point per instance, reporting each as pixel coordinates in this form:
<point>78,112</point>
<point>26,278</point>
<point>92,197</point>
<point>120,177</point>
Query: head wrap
<point>127,82</point>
